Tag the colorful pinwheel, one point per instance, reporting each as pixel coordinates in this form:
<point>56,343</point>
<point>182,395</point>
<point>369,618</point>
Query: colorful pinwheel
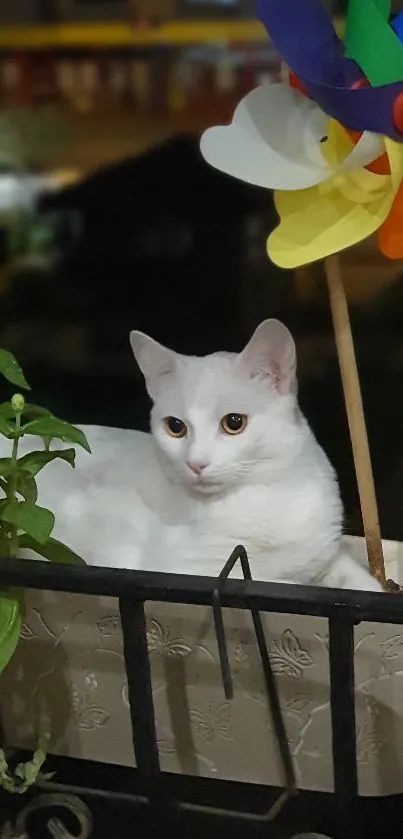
<point>330,141</point>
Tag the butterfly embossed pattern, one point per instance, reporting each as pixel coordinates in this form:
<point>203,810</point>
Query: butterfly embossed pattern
<point>392,647</point>
<point>216,720</point>
<point>288,657</point>
<point>160,642</point>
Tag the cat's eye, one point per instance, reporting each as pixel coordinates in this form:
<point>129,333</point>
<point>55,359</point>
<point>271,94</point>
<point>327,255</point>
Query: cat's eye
<point>175,427</point>
<point>234,423</point>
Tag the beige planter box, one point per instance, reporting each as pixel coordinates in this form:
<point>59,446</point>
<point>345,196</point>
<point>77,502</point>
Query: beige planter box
<point>69,668</point>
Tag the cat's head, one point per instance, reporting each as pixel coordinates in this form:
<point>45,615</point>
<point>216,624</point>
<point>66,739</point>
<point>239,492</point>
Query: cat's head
<point>220,419</point>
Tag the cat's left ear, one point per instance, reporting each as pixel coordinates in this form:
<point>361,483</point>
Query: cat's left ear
<point>156,362</point>
<point>270,354</point>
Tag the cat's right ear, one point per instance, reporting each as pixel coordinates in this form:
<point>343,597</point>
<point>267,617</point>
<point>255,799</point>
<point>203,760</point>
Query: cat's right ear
<point>156,362</point>
<point>270,354</point>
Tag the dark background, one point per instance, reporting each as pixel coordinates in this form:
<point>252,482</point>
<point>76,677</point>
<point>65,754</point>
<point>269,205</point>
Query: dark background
<point>164,244</point>
<point>169,246</point>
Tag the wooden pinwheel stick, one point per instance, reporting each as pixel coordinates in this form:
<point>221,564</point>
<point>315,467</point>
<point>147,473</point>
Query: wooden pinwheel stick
<point>355,415</point>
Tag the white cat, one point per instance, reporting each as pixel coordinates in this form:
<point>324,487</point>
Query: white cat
<point>231,460</point>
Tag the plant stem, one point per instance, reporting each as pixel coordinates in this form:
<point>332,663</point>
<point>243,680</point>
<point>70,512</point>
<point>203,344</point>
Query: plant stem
<point>12,486</point>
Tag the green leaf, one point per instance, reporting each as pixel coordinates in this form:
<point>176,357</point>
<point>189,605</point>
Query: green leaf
<point>35,521</point>
<point>26,486</point>
<point>25,775</point>
<point>11,370</point>
<point>7,428</point>
<point>24,479</point>
<point>28,773</point>
<point>5,466</point>
<point>31,410</point>
<point>33,462</point>
<point>3,502</point>
<point>10,626</point>
<point>6,783</point>
<point>7,411</point>
<point>53,427</point>
<point>52,550</point>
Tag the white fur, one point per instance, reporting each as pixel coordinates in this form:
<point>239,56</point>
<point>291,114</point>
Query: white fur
<point>135,502</point>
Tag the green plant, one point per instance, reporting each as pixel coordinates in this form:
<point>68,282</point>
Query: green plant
<point>25,775</point>
<point>24,524</point>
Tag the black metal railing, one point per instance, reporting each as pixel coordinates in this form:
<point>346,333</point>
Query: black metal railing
<point>343,609</point>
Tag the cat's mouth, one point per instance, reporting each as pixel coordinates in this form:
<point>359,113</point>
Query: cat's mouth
<point>206,485</point>
<point>207,489</point>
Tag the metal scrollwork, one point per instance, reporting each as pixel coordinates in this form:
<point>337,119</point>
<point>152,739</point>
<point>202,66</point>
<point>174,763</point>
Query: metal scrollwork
<point>55,826</point>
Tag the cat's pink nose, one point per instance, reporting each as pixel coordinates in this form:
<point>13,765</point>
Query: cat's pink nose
<point>196,466</point>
